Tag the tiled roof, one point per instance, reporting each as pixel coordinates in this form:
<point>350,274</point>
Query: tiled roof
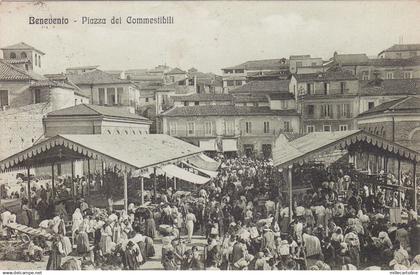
<point>61,76</point>
<point>403,105</point>
<point>388,87</point>
<point>17,60</point>
<point>10,72</point>
<point>384,62</point>
<point>203,97</point>
<point>264,86</point>
<point>245,98</point>
<point>326,76</point>
<point>92,67</point>
<point>281,96</point>
<point>225,110</point>
<point>176,71</point>
<point>95,77</point>
<point>261,64</point>
<point>351,59</point>
<point>145,77</point>
<point>51,83</point>
<point>95,110</point>
<point>403,47</point>
<point>21,46</point>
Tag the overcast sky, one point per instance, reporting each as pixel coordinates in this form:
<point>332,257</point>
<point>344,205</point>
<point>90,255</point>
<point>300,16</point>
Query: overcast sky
<point>208,35</point>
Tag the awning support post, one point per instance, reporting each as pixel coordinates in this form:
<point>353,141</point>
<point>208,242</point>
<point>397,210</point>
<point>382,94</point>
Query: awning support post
<point>154,184</point>
<point>52,180</point>
<point>142,189</point>
<point>399,181</point>
<point>174,183</point>
<point>88,178</point>
<point>125,191</point>
<point>290,192</point>
<point>415,185</point>
<point>29,186</point>
<point>72,179</point>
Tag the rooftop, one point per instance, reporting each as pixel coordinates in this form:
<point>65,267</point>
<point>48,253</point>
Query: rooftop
<point>203,97</point>
<point>17,60</point>
<point>409,104</point>
<point>176,71</point>
<point>261,64</point>
<point>89,67</point>
<point>388,87</point>
<point>225,110</point>
<point>263,86</point>
<point>51,83</point>
<point>402,47</point>
<point>95,77</point>
<point>351,59</point>
<point>10,72</point>
<point>331,75</point>
<point>21,46</point>
<point>95,110</point>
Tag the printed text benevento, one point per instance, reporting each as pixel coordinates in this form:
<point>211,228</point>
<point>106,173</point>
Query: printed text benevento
<point>48,21</point>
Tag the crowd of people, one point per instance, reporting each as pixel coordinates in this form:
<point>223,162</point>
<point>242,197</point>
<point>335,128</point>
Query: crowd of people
<point>244,214</point>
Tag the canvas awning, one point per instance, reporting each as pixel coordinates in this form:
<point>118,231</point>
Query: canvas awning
<point>177,172</point>
<point>204,162</point>
<point>230,145</point>
<point>311,146</point>
<point>131,152</point>
<point>211,174</point>
<point>208,145</point>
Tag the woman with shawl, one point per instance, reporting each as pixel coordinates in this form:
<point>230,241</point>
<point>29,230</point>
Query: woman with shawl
<point>82,241</point>
<point>56,252</point>
<point>77,219</point>
<point>150,225</point>
<point>190,219</point>
<point>66,244</point>
<point>116,232</point>
<point>106,242</point>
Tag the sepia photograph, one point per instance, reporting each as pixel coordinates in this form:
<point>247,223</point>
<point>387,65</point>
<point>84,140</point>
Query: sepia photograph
<point>209,136</point>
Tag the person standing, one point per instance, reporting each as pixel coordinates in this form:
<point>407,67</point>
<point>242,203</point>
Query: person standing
<point>190,219</point>
<point>56,252</point>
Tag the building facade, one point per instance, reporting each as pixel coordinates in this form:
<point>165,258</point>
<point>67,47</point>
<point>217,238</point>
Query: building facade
<point>398,51</point>
<point>326,101</point>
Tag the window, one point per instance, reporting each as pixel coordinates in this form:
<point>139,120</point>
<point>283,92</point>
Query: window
<point>120,92</point>
<point>286,126</point>
<point>238,82</point>
<point>326,111</point>
<point>230,83</point>
<point>39,61</point>
<point>371,105</point>
<point>75,101</point>
<point>118,132</point>
<point>196,103</point>
<point>399,55</point>
<point>229,127</point>
<point>327,128</point>
<point>284,104</point>
<point>313,64</point>
<point>208,128</point>
<point>343,110</point>
<point>342,87</point>
<point>309,88</point>
<point>389,75</point>
<point>298,64</point>
<point>23,55</point>
<point>146,99</point>
<point>4,98</point>
<point>412,54</point>
<point>36,60</point>
<point>191,82</point>
<point>326,88</point>
<point>101,96</point>
<point>172,128</point>
<point>191,128</point>
<point>407,75</point>
<point>344,127</point>
<point>228,71</point>
<point>310,110</point>
<point>266,127</point>
<point>365,75</point>
<point>126,132</point>
<point>310,128</point>
<point>37,96</point>
<point>248,127</point>
<point>239,71</point>
<point>12,55</point>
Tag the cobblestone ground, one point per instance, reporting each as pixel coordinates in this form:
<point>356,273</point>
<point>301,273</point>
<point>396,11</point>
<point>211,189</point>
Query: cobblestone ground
<point>152,264</point>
